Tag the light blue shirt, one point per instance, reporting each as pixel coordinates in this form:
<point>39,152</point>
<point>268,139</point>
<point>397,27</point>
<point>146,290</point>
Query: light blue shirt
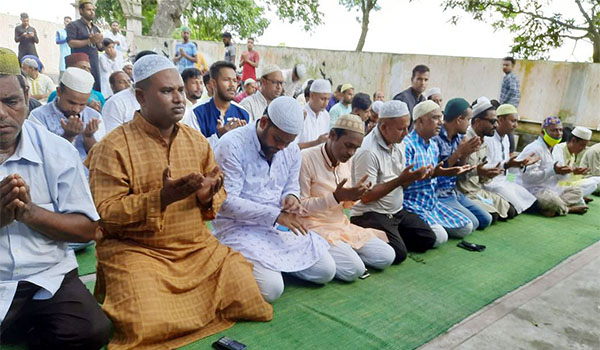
<point>51,167</point>
<point>338,110</point>
<point>191,50</point>
<point>49,116</point>
<point>65,49</point>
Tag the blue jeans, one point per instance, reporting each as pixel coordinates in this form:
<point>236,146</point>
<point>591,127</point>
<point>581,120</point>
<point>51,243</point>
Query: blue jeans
<point>480,218</point>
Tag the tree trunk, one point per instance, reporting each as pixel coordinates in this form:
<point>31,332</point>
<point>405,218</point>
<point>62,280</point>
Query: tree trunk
<point>596,54</point>
<point>168,17</point>
<point>365,26</point>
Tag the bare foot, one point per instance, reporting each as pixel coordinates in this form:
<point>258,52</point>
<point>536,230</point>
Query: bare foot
<point>578,209</point>
<point>588,199</point>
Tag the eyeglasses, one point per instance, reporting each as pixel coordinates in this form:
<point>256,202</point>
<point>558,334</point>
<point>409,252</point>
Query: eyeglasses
<point>276,82</point>
<point>491,121</point>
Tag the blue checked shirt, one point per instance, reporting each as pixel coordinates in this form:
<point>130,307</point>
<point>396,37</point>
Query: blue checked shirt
<point>446,185</point>
<point>511,90</point>
<point>420,197</point>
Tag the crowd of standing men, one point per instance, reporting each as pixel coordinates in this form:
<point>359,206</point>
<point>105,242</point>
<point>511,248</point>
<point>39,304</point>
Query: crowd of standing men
<point>140,165</point>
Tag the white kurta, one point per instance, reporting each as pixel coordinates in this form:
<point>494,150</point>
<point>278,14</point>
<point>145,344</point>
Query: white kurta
<point>255,104</point>
<point>315,125</point>
<point>120,109</point>
<point>562,155</point>
<point>540,176</point>
<point>255,190</point>
<point>515,194</point>
<point>108,67</point>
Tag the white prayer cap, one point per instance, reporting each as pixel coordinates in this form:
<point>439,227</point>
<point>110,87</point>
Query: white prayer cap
<point>393,109</point>
<point>78,80</point>
<point>127,63</point>
<point>269,68</point>
<point>376,107</point>
<point>286,113</point>
<point>433,91</point>
<point>30,62</point>
<point>321,86</point>
<point>582,133</point>
<point>149,65</point>
<point>249,81</point>
<point>483,103</point>
<point>423,108</point>
<point>300,70</point>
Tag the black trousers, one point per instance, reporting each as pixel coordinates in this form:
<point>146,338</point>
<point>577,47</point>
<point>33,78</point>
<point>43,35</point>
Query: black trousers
<point>71,319</point>
<point>405,231</point>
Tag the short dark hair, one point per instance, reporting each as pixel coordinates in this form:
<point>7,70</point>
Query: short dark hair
<point>339,132</point>
<point>421,68</point>
<point>227,35</point>
<point>69,17</point>
<point>215,68</point>
<point>107,41</point>
<point>206,78</point>
<point>361,101</point>
<point>24,15</point>
<point>81,6</point>
<point>251,38</point>
<point>307,90</point>
<point>495,103</point>
<point>509,58</point>
<point>339,88</point>
<point>113,76</point>
<point>190,73</point>
<point>142,54</point>
<point>375,94</point>
<point>117,22</point>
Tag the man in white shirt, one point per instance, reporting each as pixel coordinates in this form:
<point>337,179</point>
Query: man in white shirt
<point>271,85</point>
<point>292,78</point>
<point>316,118</point>
<point>40,85</point>
<point>541,178</point>
<point>109,62</point>
<point>115,35</point>
<point>499,153</point>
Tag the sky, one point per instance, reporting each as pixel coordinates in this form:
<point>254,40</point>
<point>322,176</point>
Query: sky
<point>401,26</point>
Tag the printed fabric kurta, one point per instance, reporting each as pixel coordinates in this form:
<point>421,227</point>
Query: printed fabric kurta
<point>318,180</point>
<point>420,197</point>
<point>255,188</point>
<point>471,184</point>
<point>165,280</point>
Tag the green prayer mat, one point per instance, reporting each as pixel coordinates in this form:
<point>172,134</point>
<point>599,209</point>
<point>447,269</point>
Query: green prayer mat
<point>86,259</point>
<point>409,304</point>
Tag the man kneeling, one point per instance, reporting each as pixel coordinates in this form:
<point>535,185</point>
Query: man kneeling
<point>325,194</point>
<point>45,202</point>
<point>261,217</point>
<point>166,280</point>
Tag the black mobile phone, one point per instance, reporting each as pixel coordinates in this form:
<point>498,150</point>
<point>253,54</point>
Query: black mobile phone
<point>225,343</point>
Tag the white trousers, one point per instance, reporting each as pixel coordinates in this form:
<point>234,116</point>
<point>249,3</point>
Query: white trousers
<point>350,263</point>
<point>271,285</point>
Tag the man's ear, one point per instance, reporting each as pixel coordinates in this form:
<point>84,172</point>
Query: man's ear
<point>139,96</point>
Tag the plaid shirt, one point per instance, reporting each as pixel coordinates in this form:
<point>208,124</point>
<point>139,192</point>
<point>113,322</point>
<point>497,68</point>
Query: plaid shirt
<point>511,90</point>
<point>420,197</point>
<point>446,185</point>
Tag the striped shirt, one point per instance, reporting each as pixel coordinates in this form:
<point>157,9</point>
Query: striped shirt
<point>446,185</point>
<point>511,90</point>
<point>420,197</point>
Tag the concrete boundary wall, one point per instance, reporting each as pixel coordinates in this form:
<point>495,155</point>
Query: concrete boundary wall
<point>569,90</point>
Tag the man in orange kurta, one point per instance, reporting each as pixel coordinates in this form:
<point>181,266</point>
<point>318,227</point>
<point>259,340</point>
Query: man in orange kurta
<point>164,279</point>
<point>324,174</point>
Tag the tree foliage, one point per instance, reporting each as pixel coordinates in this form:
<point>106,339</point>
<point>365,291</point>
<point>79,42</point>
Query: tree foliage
<point>364,7</point>
<point>207,19</point>
<point>535,28</point>
<point>110,10</point>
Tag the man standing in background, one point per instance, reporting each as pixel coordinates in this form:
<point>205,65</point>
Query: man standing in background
<point>115,35</point>
<point>249,61</point>
<point>65,50</point>
<point>185,52</point>
<point>84,36</point>
<point>27,37</point>
<point>510,91</point>
<point>229,48</point>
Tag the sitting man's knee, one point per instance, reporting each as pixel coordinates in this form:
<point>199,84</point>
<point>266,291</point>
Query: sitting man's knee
<point>271,290</point>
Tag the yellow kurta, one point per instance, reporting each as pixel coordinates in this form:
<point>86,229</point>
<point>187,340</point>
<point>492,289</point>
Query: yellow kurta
<point>318,180</point>
<point>164,279</point>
